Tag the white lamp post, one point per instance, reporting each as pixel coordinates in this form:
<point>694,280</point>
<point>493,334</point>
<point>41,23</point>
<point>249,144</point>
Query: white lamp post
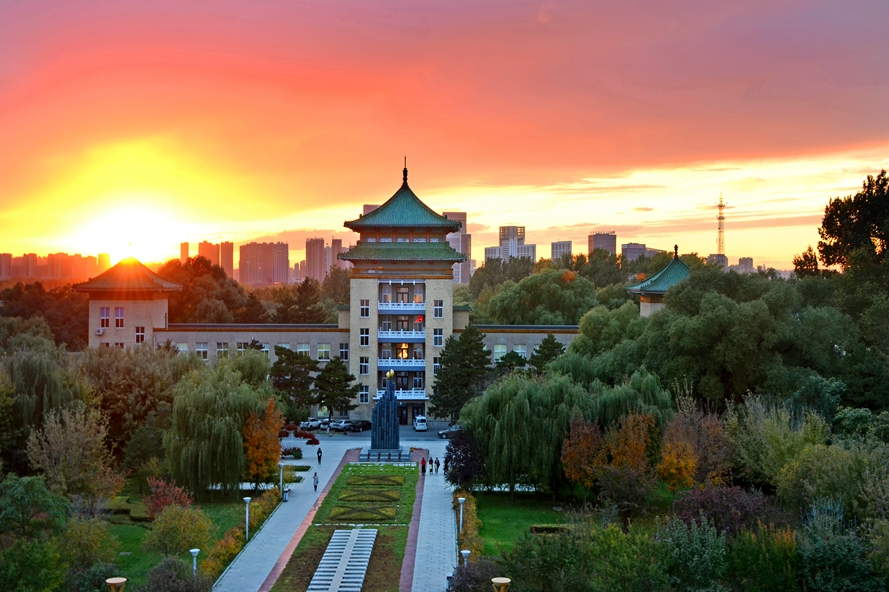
<point>194,561</point>
<point>247,523</point>
<point>281,466</point>
<point>462,500</point>
<point>465,554</point>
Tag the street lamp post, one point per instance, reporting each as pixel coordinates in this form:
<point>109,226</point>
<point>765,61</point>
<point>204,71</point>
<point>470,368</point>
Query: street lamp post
<point>465,554</point>
<point>194,562</point>
<point>116,584</point>
<point>247,522</point>
<point>281,466</point>
<point>462,500</point>
<point>501,584</point>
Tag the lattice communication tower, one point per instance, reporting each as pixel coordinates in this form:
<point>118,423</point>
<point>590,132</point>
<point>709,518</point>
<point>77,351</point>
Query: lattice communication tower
<point>720,218</point>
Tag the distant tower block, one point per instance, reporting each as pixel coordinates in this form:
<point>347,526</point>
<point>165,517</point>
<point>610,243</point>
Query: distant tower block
<point>720,218</point>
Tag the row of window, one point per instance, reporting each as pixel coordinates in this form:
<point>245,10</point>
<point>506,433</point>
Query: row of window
<point>105,318</point>
<point>323,352</point>
<point>364,365</point>
<point>401,239</point>
<point>364,337</point>
<point>437,305</point>
<point>500,351</point>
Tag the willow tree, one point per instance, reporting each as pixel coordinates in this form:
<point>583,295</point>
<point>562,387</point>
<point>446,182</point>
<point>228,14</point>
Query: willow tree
<point>642,394</point>
<point>205,444</point>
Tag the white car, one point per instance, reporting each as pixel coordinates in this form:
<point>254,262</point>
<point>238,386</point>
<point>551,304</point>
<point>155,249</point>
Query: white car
<point>313,423</point>
<point>420,423</point>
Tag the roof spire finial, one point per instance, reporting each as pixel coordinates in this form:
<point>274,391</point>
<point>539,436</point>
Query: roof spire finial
<point>676,251</point>
<point>405,168</point>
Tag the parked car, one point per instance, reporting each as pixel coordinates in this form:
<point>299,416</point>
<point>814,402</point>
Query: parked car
<point>313,423</point>
<point>340,425</point>
<point>359,425</point>
<point>450,432</point>
<point>420,423</point>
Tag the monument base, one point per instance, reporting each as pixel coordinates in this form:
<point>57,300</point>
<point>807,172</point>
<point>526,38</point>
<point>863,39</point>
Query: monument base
<point>384,455</point>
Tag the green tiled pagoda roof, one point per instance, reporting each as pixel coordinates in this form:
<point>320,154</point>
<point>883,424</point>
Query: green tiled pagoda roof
<point>365,251</point>
<point>403,210</point>
<point>128,275</point>
<point>671,274</point>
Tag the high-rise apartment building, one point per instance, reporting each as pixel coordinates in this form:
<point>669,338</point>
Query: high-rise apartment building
<point>5,266</point>
<point>227,258</point>
<point>632,251</point>
<point>104,262</point>
<point>183,253</point>
<point>461,241</point>
<point>560,249</point>
<point>316,261</point>
<point>512,244</point>
<point>264,263</point>
<point>210,251</point>
<point>607,241</point>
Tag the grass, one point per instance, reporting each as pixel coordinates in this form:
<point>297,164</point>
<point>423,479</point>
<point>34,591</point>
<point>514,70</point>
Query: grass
<point>504,521</point>
<point>362,481</point>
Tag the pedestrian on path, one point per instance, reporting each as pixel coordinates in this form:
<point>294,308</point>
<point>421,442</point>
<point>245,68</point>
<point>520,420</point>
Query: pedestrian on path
<point>437,464</point>
<point>423,466</point>
<point>315,478</point>
<point>319,455</point>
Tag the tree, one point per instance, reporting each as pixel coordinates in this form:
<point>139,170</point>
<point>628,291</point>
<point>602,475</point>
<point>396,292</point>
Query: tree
<point>71,452</point>
<point>254,311</point>
<point>463,460</point>
<point>335,388</point>
<point>548,350</point>
<point>495,272</point>
<point>856,224</point>
<point>806,264</point>
<point>178,529</point>
<point>28,509</point>
<point>509,362</point>
<point>262,449</point>
<point>463,373</point>
<point>553,297</point>
<point>65,311</point>
<point>292,377</point>
<point>584,453</point>
<point>207,295</point>
<point>205,444</point>
<point>677,466</point>
<point>336,286</point>
<point>164,494</point>
<point>308,294</point>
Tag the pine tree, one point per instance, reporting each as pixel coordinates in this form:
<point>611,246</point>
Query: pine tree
<point>308,293</point>
<point>463,375</point>
<point>548,350</point>
<point>335,388</point>
<point>292,377</point>
<point>254,311</point>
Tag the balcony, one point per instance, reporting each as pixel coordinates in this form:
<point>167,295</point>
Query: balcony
<point>401,364</point>
<point>401,336</point>
<point>401,307</point>
<point>402,394</point>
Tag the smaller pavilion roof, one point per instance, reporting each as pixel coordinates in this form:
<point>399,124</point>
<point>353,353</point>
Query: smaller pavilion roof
<point>128,276</point>
<point>403,210</point>
<point>671,274</point>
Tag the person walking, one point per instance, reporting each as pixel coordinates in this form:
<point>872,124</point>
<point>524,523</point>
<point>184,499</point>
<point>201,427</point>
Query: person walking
<point>437,464</point>
<point>423,466</point>
<point>315,480</point>
<point>319,455</point>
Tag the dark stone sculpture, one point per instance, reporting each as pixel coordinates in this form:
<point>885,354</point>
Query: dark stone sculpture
<point>384,431</point>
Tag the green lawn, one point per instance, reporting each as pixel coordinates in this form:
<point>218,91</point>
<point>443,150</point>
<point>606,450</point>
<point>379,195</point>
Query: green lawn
<point>504,521</point>
<point>384,568</point>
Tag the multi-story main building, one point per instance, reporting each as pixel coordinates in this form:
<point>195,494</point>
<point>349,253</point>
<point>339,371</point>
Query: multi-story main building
<point>400,314</point>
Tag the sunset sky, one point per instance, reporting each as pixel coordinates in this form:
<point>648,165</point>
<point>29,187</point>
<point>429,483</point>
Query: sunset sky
<point>150,122</point>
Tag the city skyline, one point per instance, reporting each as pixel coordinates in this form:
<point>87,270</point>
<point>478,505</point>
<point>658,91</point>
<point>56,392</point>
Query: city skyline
<point>129,129</point>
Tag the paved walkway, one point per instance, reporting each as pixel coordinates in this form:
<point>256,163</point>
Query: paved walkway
<point>436,550</point>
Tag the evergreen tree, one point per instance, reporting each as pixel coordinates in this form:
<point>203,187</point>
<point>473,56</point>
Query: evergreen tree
<point>254,310</point>
<point>288,310</point>
<point>510,362</point>
<point>335,388</point>
<point>548,350</point>
<point>336,286</point>
<point>308,293</point>
<point>292,377</point>
<point>463,375</point>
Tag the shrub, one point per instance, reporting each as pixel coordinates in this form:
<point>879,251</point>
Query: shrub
<point>764,559</point>
<point>88,542</point>
<point>313,441</point>
<point>627,489</point>
<point>630,561</point>
<point>26,561</point>
<point>301,434</point>
<point>174,575</point>
<point>283,434</point>
<point>91,579</point>
<point>729,508</point>
<point>696,553</point>
<point>296,453</point>
<point>291,427</point>
<point>469,538</point>
<point>261,507</point>
<point>223,552</point>
<point>475,577</point>
<point>163,495</point>
<point>832,555</point>
<point>549,562</point>
<point>178,529</point>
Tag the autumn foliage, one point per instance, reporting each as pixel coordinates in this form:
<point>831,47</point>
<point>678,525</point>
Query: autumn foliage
<point>261,446</point>
<point>677,466</point>
<point>164,494</point>
<point>584,453</point>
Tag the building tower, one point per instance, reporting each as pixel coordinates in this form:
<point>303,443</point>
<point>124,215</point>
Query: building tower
<point>720,218</point>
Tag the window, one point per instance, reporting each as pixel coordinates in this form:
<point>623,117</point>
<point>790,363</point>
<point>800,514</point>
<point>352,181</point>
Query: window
<point>521,350</point>
<point>385,239</point>
<point>221,349</point>
<point>438,337</point>
<point>104,317</point>
<point>182,347</point>
<point>344,352</point>
<point>365,309</point>
<point>386,351</point>
<point>106,344</point>
<point>418,382</point>
<point>434,239</point>
<point>401,295</point>
<point>364,394</point>
<point>418,295</point>
<point>283,345</point>
<point>386,326</point>
<point>264,348</point>
<point>323,352</point>
<point>418,323</point>
<point>418,352</point>
<point>140,334</point>
<point>436,366</point>
<point>402,239</point>
<point>438,309</point>
<point>419,239</point>
<point>364,365</point>
<point>363,337</point>
<point>303,348</point>
<point>386,294</point>
<point>371,239</point>
<point>201,349</point>
<point>242,346</point>
<point>499,351</point>
<point>118,317</point>
<point>401,351</point>
<point>119,344</point>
